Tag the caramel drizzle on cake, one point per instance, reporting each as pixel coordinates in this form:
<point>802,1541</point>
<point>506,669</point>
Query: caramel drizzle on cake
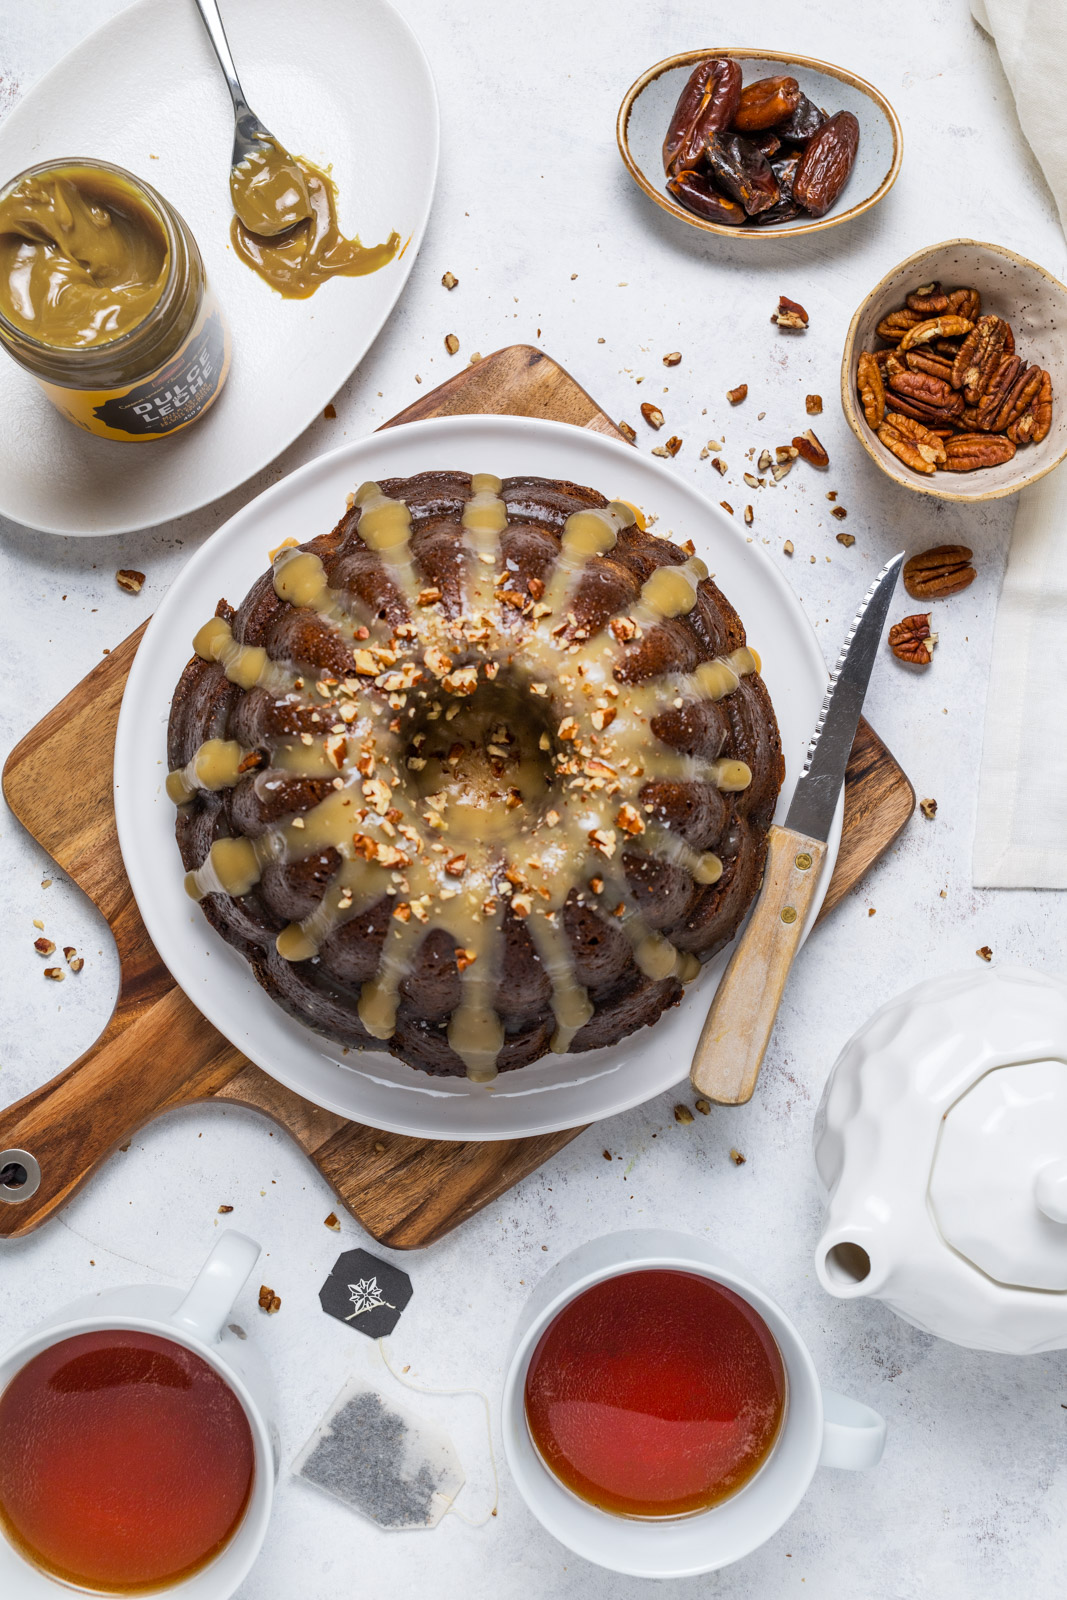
<point>490,761</point>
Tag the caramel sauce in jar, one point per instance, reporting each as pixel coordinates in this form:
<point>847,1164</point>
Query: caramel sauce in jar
<point>105,301</point>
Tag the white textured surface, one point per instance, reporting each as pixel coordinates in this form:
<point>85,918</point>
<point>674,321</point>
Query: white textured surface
<point>968,1502</point>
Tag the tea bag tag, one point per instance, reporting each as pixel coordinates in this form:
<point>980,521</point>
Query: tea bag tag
<point>380,1459</point>
<point>366,1292</point>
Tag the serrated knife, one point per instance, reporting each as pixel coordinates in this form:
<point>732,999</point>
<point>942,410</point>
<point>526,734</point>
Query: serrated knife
<point>738,1029</point>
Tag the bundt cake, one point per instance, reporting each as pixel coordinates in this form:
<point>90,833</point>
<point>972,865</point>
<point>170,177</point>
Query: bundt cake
<point>484,772</point>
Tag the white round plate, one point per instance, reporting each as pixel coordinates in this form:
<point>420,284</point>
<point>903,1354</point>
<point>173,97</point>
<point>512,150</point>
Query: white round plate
<point>342,84</point>
<point>371,1086</point>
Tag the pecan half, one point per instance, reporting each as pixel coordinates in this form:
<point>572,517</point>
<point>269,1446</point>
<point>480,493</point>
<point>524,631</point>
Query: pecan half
<point>997,391</point>
<point>871,389</point>
<point>912,443</point>
<point>965,303</point>
<point>790,313</point>
<point>925,361</point>
<point>935,574</point>
<point>932,399</point>
<point>1042,409</point>
<point>978,358</point>
<point>911,639</point>
<point>652,414</point>
<point>1022,430</point>
<point>1020,397</point>
<point>931,300</point>
<point>893,327</point>
<point>946,327</point>
<point>966,452</point>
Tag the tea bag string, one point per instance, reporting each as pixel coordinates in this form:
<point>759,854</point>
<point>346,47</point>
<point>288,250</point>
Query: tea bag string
<point>422,1388</point>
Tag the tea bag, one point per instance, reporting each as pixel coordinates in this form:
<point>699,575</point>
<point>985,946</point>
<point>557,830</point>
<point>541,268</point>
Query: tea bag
<point>381,1459</point>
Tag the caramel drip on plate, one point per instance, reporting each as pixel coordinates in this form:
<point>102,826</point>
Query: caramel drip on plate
<point>479,766</point>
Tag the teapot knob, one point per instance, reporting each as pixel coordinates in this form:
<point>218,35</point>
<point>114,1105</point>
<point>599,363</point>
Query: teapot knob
<point>1050,1190</point>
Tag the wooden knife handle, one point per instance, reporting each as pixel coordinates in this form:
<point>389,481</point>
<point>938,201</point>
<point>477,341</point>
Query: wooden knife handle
<point>740,1022</point>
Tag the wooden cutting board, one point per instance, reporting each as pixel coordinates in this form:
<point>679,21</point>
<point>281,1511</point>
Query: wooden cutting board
<point>157,1052</point>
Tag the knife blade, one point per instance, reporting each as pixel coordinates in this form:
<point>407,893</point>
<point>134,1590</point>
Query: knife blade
<point>814,800</point>
<point>741,1017</point>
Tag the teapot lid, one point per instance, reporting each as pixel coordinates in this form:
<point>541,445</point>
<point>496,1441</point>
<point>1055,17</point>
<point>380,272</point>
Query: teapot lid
<point>998,1187</point>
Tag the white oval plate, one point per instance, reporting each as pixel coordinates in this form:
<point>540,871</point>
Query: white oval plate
<point>371,1086</point>
<point>339,83</point>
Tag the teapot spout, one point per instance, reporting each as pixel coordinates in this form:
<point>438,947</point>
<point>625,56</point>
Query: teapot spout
<point>847,1262</point>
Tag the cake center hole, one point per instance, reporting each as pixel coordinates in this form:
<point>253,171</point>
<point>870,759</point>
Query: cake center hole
<point>490,754</point>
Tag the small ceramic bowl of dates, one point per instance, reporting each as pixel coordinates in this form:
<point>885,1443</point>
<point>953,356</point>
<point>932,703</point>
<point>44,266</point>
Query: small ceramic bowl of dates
<point>955,369</point>
<point>756,143</point>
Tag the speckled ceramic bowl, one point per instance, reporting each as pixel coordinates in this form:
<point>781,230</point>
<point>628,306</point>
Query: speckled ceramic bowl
<point>1026,296</point>
<point>647,106</point>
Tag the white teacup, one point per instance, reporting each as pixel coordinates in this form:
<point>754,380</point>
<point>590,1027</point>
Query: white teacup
<point>196,1319</point>
<point>819,1428</point>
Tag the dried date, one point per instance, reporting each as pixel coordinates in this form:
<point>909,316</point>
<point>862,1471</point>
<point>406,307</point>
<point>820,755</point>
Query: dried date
<point>742,171</point>
<point>805,121</point>
<point>828,159</point>
<point>708,102</point>
<point>698,194</point>
<point>765,103</point>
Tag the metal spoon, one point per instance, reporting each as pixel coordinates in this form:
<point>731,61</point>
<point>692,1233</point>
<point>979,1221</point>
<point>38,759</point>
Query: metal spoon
<point>268,189</point>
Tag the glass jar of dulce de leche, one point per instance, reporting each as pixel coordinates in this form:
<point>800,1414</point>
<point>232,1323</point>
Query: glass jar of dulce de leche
<point>104,299</point>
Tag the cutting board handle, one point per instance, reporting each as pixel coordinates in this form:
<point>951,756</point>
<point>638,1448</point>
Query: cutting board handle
<point>130,1075</point>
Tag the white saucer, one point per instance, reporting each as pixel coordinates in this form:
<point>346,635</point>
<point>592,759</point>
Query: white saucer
<point>341,83</point>
<point>371,1086</point>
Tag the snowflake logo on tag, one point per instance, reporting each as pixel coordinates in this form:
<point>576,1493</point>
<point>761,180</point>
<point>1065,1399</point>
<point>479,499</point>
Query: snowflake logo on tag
<point>366,1296</point>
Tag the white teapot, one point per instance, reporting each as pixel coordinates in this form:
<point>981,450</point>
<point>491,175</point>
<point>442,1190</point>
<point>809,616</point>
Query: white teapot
<point>941,1142</point>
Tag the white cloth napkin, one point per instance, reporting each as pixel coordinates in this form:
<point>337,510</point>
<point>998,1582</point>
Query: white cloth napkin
<point>1021,834</point>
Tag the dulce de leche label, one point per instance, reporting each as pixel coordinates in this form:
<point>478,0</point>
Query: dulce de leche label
<point>165,401</point>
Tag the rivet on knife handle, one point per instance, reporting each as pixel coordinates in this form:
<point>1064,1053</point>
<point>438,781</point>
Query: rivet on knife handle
<point>738,1029</point>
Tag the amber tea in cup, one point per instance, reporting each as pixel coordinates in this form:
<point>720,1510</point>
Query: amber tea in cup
<point>655,1393</point>
<point>126,1462</point>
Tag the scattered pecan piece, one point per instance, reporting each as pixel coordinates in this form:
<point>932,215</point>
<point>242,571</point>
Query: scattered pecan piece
<point>333,1222</point>
<point>268,1300</point>
<point>43,946</point>
<point>984,953</point>
<point>937,573</point>
<point>652,414</point>
<point>672,358</point>
<point>787,548</point>
<point>911,639</point>
<point>928,809</point>
<point>55,973</point>
<point>683,1114</point>
<point>737,1158</point>
<point>813,405</point>
<point>790,314</point>
<point>839,512</point>
<point>735,396</point>
<point>967,452</point>
<point>847,539</point>
<point>627,432</point>
<point>450,280</point>
<point>451,343</point>
<point>76,963</point>
<point>871,389</point>
<point>130,580</point>
<point>673,445</point>
<point>808,446</point>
